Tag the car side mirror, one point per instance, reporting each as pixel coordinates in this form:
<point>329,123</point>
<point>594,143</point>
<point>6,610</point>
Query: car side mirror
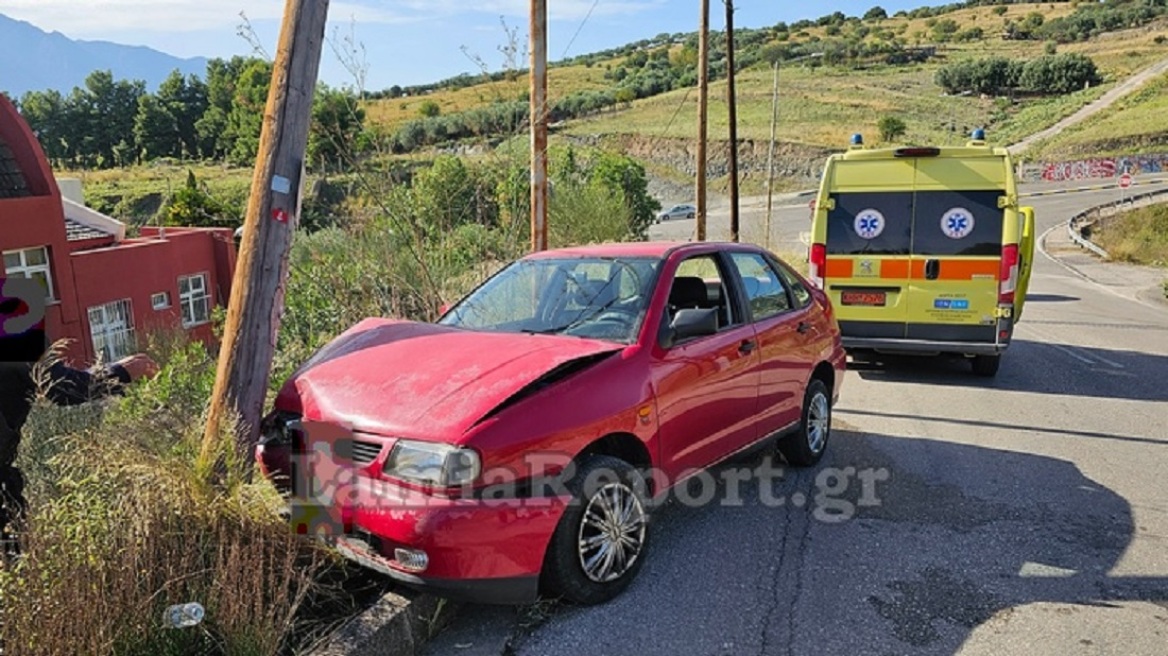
<point>688,324</point>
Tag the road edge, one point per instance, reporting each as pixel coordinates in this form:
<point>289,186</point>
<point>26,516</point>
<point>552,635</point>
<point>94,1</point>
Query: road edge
<point>395,625</point>
<point>1152,296</point>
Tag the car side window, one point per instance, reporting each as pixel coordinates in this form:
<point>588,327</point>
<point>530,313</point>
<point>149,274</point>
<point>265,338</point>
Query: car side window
<point>799,292</point>
<point>699,283</point>
<point>765,292</point>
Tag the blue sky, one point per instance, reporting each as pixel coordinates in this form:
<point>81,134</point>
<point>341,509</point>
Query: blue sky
<point>405,41</point>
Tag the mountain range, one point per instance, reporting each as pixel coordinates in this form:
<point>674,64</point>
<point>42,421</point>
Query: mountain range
<point>39,61</point>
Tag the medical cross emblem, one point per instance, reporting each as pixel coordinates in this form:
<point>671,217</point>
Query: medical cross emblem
<point>869,224</point>
<point>957,223</point>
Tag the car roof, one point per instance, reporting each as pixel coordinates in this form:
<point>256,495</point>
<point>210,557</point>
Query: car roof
<point>658,249</point>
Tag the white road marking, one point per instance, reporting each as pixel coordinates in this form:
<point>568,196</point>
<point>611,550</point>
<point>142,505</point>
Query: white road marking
<point>1077,352</point>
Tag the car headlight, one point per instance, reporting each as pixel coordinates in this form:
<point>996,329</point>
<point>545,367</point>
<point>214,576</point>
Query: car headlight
<point>441,465</point>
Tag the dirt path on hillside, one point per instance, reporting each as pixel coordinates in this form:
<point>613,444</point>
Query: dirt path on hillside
<point>1106,100</point>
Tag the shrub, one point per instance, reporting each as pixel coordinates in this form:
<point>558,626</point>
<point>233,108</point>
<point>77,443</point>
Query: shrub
<point>1059,74</point>
<point>891,128</point>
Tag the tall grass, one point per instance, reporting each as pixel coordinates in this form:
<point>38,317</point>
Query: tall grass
<point>123,522</point>
<point>1139,236</point>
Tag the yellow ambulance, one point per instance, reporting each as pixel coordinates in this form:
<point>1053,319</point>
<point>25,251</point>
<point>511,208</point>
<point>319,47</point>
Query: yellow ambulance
<point>924,250</point>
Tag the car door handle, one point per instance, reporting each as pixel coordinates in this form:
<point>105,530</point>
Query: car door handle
<point>746,346</point>
<point>803,327</point>
<point>932,269</point>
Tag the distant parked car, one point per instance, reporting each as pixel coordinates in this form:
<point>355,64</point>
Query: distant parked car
<point>517,445</point>
<point>678,212</point>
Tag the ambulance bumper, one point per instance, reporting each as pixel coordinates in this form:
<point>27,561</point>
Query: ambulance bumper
<point>922,347</point>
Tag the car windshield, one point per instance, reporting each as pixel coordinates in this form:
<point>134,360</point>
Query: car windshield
<point>598,297</point>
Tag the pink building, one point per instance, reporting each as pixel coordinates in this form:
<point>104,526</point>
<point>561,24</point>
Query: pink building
<point>104,291</point>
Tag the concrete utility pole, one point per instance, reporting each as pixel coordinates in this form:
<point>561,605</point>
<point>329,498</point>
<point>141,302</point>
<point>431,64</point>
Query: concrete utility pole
<point>732,101</point>
<point>539,126</point>
<point>703,113</point>
<point>273,212</point>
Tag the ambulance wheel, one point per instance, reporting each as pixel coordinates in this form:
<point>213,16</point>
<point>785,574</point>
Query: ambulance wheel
<point>986,365</point>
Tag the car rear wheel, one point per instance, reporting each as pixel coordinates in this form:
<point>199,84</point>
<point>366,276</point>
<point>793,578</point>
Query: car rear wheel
<point>986,365</point>
<point>807,445</point>
<point>600,543</point>
<point>690,215</point>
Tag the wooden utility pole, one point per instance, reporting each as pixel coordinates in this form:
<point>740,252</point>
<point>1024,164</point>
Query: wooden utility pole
<point>703,114</point>
<point>771,154</point>
<point>273,212</point>
<point>539,126</point>
<point>732,101</point>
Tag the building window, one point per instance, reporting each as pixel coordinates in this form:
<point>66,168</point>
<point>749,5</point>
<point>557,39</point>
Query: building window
<point>31,263</point>
<point>112,328</point>
<point>194,300</point>
<point>160,301</point>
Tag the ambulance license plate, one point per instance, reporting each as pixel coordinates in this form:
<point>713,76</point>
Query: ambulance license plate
<point>876,299</point>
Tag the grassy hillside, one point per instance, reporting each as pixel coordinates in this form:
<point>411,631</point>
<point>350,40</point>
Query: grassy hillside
<point>823,106</point>
<point>1134,125</point>
<point>820,106</point>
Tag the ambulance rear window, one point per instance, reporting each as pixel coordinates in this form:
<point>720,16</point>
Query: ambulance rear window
<point>870,223</point>
<point>957,223</point>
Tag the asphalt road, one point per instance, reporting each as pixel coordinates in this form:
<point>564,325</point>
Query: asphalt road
<point>1027,514</point>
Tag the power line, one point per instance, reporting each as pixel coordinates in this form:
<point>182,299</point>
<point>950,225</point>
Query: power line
<point>580,28</point>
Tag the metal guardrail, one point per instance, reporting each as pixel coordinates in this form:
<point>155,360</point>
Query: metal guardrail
<point>1092,187</point>
<point>1092,216</point>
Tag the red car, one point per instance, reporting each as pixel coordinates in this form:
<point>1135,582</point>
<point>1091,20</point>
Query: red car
<point>515,447</point>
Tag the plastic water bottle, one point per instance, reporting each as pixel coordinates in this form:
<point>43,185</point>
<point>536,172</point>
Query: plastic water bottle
<point>183,616</point>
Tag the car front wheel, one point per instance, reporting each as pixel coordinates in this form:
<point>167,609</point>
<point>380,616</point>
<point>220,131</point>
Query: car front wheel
<point>807,445</point>
<point>600,543</point>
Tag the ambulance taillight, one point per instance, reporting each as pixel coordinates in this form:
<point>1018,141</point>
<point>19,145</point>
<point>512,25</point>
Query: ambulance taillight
<point>1009,275</point>
<point>818,262</point>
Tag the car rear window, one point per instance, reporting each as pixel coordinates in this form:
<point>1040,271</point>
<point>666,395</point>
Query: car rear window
<point>870,223</point>
<point>957,223</point>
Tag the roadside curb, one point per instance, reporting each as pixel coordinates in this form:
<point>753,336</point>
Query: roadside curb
<point>395,625</point>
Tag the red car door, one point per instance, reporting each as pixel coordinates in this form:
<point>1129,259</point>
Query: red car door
<point>786,333</point>
<point>707,387</point>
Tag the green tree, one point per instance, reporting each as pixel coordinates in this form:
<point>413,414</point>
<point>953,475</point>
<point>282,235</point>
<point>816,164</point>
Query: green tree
<point>875,13</point>
<point>246,118</point>
<point>337,122</point>
<point>155,129</point>
<point>891,128</point>
<point>429,109</point>
<point>215,140</point>
<point>102,114</point>
<point>1059,74</point>
<point>623,175</point>
<point>185,100</point>
<point>47,114</point>
<point>944,29</point>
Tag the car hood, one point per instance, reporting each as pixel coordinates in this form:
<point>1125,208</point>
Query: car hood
<point>426,381</point>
